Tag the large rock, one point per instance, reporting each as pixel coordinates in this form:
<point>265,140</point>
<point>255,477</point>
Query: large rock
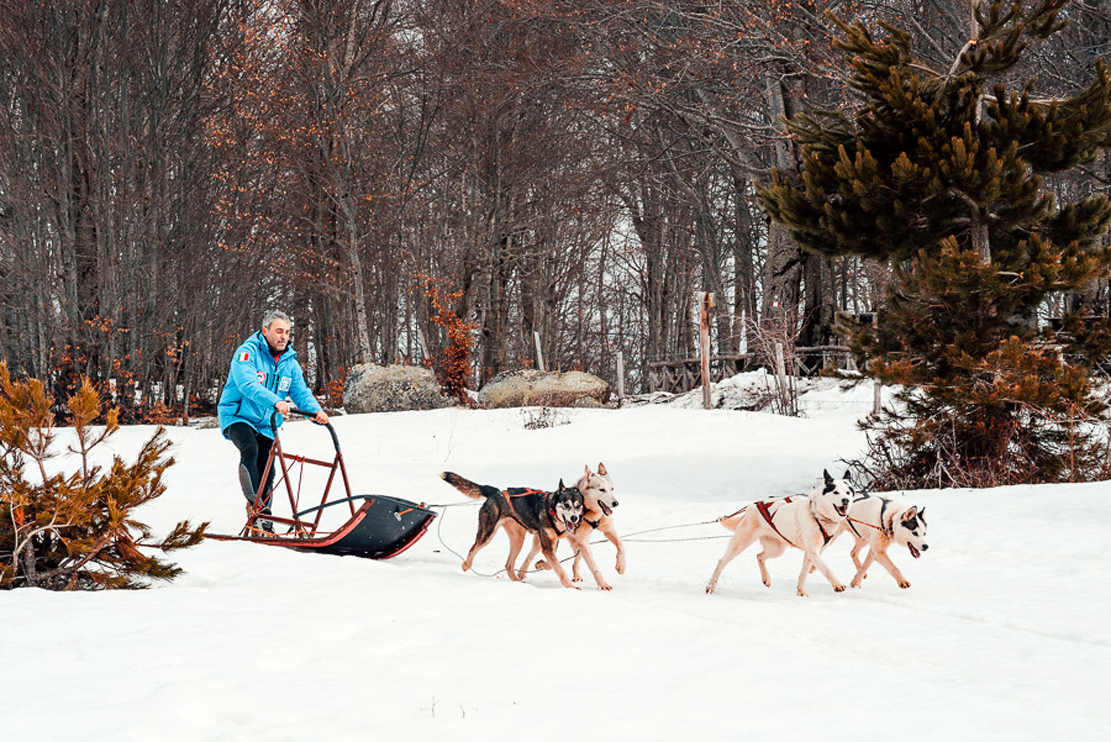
<point>531,388</point>
<point>370,388</point>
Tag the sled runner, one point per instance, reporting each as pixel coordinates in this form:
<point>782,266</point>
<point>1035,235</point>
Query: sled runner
<point>378,526</point>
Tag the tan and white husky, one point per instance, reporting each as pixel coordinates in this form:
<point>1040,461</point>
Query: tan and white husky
<point>806,522</point>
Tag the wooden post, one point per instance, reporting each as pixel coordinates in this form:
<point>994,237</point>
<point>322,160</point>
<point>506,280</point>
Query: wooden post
<point>620,377</point>
<point>780,367</point>
<point>705,304</point>
<point>786,391</point>
<point>877,405</point>
<point>539,353</point>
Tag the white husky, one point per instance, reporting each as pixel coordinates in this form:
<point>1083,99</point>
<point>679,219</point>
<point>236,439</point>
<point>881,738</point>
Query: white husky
<point>807,522</point>
<point>597,489</point>
<point>878,522</point>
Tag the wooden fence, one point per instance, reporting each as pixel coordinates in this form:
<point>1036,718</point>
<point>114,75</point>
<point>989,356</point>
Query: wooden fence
<point>678,376</point>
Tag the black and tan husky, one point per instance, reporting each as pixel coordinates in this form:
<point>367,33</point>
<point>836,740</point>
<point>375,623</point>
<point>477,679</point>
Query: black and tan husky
<point>599,502</point>
<point>549,515</point>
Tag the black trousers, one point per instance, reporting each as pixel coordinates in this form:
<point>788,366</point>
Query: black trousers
<point>254,451</point>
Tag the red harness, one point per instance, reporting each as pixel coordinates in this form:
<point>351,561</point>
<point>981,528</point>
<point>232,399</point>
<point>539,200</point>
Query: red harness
<point>765,511</point>
<point>527,491</point>
<point>530,491</point>
<point>881,528</point>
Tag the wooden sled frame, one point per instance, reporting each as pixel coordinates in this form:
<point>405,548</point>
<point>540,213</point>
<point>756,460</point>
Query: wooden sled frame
<point>378,528</point>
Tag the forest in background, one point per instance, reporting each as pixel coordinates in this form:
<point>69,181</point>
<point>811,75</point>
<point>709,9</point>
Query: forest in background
<point>573,168</point>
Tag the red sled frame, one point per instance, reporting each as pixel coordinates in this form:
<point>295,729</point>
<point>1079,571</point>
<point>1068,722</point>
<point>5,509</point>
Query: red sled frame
<point>378,528</point>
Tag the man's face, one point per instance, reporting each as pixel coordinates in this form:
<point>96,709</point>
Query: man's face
<point>277,334</point>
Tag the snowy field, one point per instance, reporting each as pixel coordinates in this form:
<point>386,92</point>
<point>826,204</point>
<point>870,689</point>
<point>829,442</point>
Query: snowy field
<point>1005,633</point>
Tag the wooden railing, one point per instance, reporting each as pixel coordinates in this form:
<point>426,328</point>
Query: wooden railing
<point>682,375</point>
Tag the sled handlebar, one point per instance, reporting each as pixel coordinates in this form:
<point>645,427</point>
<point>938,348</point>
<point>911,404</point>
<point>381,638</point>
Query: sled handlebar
<point>310,416</point>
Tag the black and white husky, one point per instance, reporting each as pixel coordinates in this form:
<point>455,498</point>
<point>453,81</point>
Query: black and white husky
<point>878,522</point>
<point>807,522</point>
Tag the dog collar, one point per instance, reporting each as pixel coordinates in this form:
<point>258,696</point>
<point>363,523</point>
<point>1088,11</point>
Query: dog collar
<point>557,522</point>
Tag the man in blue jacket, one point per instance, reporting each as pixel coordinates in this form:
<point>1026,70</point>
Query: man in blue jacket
<point>264,373</point>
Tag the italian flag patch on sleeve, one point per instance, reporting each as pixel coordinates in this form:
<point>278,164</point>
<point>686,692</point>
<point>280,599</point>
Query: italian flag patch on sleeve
<point>244,356</point>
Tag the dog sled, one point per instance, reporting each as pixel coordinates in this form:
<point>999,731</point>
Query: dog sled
<point>376,526</point>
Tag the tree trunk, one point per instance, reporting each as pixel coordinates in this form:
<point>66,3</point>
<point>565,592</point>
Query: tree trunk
<point>355,262</point>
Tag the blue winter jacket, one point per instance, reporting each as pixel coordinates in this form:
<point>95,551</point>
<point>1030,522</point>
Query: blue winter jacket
<point>256,382</point>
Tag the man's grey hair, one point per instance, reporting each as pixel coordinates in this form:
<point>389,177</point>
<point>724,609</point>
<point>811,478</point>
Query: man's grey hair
<point>274,314</point>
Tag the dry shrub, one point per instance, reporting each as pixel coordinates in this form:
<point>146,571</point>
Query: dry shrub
<point>453,363</point>
<point>778,334</point>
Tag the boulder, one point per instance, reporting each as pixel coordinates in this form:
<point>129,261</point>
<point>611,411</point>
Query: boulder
<point>531,388</point>
<point>371,388</point>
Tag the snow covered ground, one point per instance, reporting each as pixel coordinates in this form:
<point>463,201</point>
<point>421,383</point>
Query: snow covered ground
<point>1004,634</point>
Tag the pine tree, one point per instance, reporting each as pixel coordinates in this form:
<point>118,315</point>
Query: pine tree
<point>942,173</point>
<point>76,531</point>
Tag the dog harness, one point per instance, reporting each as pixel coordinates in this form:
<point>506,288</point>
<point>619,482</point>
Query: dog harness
<point>765,510</point>
<point>817,519</point>
<point>524,491</point>
<point>881,528</point>
<point>550,509</point>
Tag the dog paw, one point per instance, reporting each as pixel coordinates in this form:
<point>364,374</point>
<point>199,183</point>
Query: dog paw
<point>542,564</point>
<point>576,578</point>
<point>855,583</point>
<point>838,588</point>
<point>802,594</point>
<point>904,584</point>
<point>620,567</point>
<point>604,586</point>
<point>709,589</point>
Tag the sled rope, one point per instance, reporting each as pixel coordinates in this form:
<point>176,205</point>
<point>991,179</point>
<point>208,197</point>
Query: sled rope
<point>631,537</point>
<point>439,536</point>
<point>471,503</point>
<point>668,540</point>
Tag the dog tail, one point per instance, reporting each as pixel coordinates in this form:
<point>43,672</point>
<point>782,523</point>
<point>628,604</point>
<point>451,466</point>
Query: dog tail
<point>466,486</point>
<point>731,521</point>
